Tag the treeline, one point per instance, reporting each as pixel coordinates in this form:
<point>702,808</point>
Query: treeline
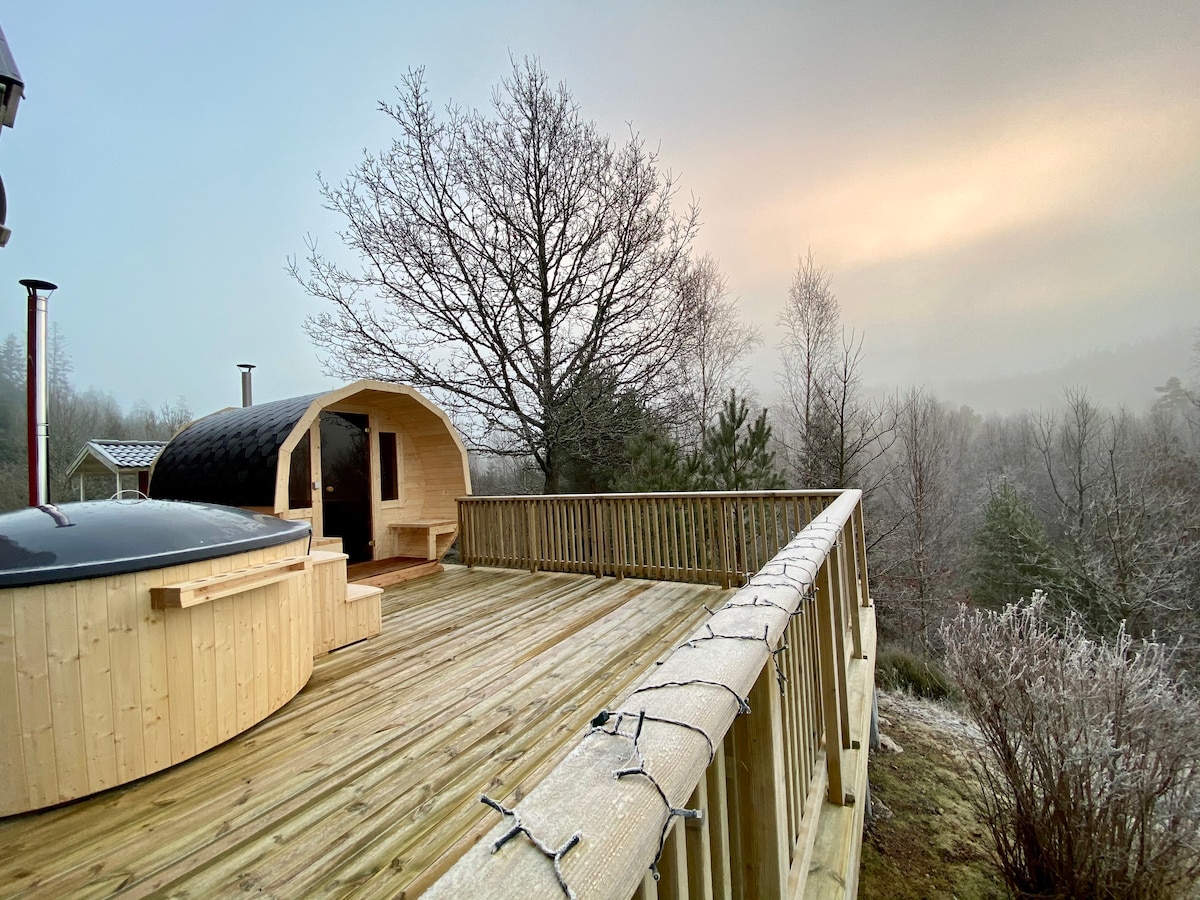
<point>75,417</point>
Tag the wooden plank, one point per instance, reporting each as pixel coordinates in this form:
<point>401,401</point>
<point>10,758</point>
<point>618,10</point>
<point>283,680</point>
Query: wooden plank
<point>34,698</point>
<point>225,671</point>
<point>698,833</point>
<point>838,609</point>
<point>95,680</point>
<point>648,889</point>
<point>274,598</point>
<point>673,866</point>
<point>848,587</point>
<point>204,676</point>
<point>153,669</point>
<point>261,643</point>
<point>827,660</point>
<point>66,692</point>
<point>864,584</point>
<point>14,790</point>
<point>762,809</point>
<point>181,704</point>
<point>225,584</point>
<point>243,636</point>
<point>356,592</point>
<point>124,658</point>
<point>718,825</point>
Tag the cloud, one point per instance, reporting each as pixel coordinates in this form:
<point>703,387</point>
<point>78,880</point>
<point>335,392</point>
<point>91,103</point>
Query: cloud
<point>952,186</point>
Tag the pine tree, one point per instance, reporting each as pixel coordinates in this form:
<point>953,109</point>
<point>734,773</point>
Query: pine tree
<point>735,454</point>
<point>1011,555</point>
<point>657,464</point>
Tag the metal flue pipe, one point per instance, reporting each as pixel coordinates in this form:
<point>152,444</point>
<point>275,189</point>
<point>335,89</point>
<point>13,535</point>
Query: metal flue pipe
<point>247,397</point>
<point>36,393</point>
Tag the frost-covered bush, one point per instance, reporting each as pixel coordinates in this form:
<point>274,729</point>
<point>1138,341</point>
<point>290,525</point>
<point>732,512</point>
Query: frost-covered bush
<point>1090,763</point>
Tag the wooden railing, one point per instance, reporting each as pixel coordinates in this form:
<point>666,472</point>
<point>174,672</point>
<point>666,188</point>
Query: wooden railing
<point>717,537</point>
<point>757,723</point>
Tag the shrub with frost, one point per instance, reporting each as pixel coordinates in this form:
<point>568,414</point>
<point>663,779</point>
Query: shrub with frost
<point>1090,764</point>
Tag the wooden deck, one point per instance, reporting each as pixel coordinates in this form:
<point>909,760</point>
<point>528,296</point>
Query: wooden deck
<point>367,783</point>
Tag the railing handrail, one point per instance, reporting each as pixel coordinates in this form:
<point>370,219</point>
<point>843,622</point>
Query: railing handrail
<point>799,492</point>
<point>690,702</point>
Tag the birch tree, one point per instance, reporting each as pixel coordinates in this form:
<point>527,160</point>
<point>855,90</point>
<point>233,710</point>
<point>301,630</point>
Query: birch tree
<point>714,346</point>
<point>833,432</point>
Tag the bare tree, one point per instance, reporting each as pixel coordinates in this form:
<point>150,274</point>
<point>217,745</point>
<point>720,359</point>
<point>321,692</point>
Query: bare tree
<point>507,258</point>
<point>920,492</point>
<point>715,344</point>
<point>832,434</point>
<point>1122,498</point>
<point>812,323</point>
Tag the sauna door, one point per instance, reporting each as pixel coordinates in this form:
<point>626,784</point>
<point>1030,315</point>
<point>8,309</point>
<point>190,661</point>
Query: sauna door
<point>346,482</point>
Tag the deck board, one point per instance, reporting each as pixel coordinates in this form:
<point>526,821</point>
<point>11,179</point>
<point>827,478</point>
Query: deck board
<point>367,782</point>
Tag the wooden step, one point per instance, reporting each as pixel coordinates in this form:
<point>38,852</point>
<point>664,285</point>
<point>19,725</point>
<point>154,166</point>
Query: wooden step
<point>356,592</point>
<point>321,557</point>
<point>401,573</point>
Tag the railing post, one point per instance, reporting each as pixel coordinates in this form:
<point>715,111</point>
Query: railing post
<point>464,536</point>
<point>838,609</point>
<point>698,833</point>
<point>849,584</point>
<point>595,520</point>
<point>717,816</point>
<point>829,664</point>
<point>761,816</point>
<point>723,543</point>
<point>531,535</point>
<point>619,508</point>
<point>861,533</point>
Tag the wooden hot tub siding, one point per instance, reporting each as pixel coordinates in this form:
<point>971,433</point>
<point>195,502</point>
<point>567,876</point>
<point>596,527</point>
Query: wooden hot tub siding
<point>98,688</point>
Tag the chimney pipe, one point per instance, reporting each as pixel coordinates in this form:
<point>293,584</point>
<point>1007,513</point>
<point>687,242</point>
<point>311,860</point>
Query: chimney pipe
<point>247,399</point>
<point>37,417</point>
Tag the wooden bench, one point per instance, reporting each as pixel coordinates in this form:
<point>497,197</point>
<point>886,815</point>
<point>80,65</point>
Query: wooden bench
<point>430,528</point>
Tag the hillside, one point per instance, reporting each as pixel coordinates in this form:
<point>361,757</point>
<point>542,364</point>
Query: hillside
<point>926,843</point>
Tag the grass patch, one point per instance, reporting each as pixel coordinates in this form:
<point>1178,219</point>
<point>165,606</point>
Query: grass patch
<point>900,670</point>
<point>933,846</point>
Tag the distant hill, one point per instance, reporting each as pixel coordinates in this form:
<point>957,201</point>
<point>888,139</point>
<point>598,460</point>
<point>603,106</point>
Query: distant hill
<point>1125,375</point>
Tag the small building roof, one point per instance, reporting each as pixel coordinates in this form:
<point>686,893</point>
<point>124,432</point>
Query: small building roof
<point>115,457</point>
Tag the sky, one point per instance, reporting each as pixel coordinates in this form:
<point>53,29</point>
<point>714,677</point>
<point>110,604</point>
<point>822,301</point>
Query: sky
<point>997,190</point>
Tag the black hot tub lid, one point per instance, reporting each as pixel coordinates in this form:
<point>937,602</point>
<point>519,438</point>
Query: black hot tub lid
<point>48,544</point>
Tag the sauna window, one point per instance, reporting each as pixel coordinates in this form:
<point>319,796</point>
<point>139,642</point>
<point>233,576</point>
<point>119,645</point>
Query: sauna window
<point>389,468</point>
<point>300,476</point>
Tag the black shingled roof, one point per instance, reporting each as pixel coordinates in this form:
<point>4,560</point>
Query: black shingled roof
<point>229,457</point>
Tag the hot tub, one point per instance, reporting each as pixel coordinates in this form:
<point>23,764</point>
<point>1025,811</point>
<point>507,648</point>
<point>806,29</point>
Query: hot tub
<point>137,634</point>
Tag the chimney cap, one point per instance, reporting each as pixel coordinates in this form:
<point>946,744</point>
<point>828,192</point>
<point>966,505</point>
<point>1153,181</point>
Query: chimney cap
<point>247,366</point>
<point>36,284</point>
